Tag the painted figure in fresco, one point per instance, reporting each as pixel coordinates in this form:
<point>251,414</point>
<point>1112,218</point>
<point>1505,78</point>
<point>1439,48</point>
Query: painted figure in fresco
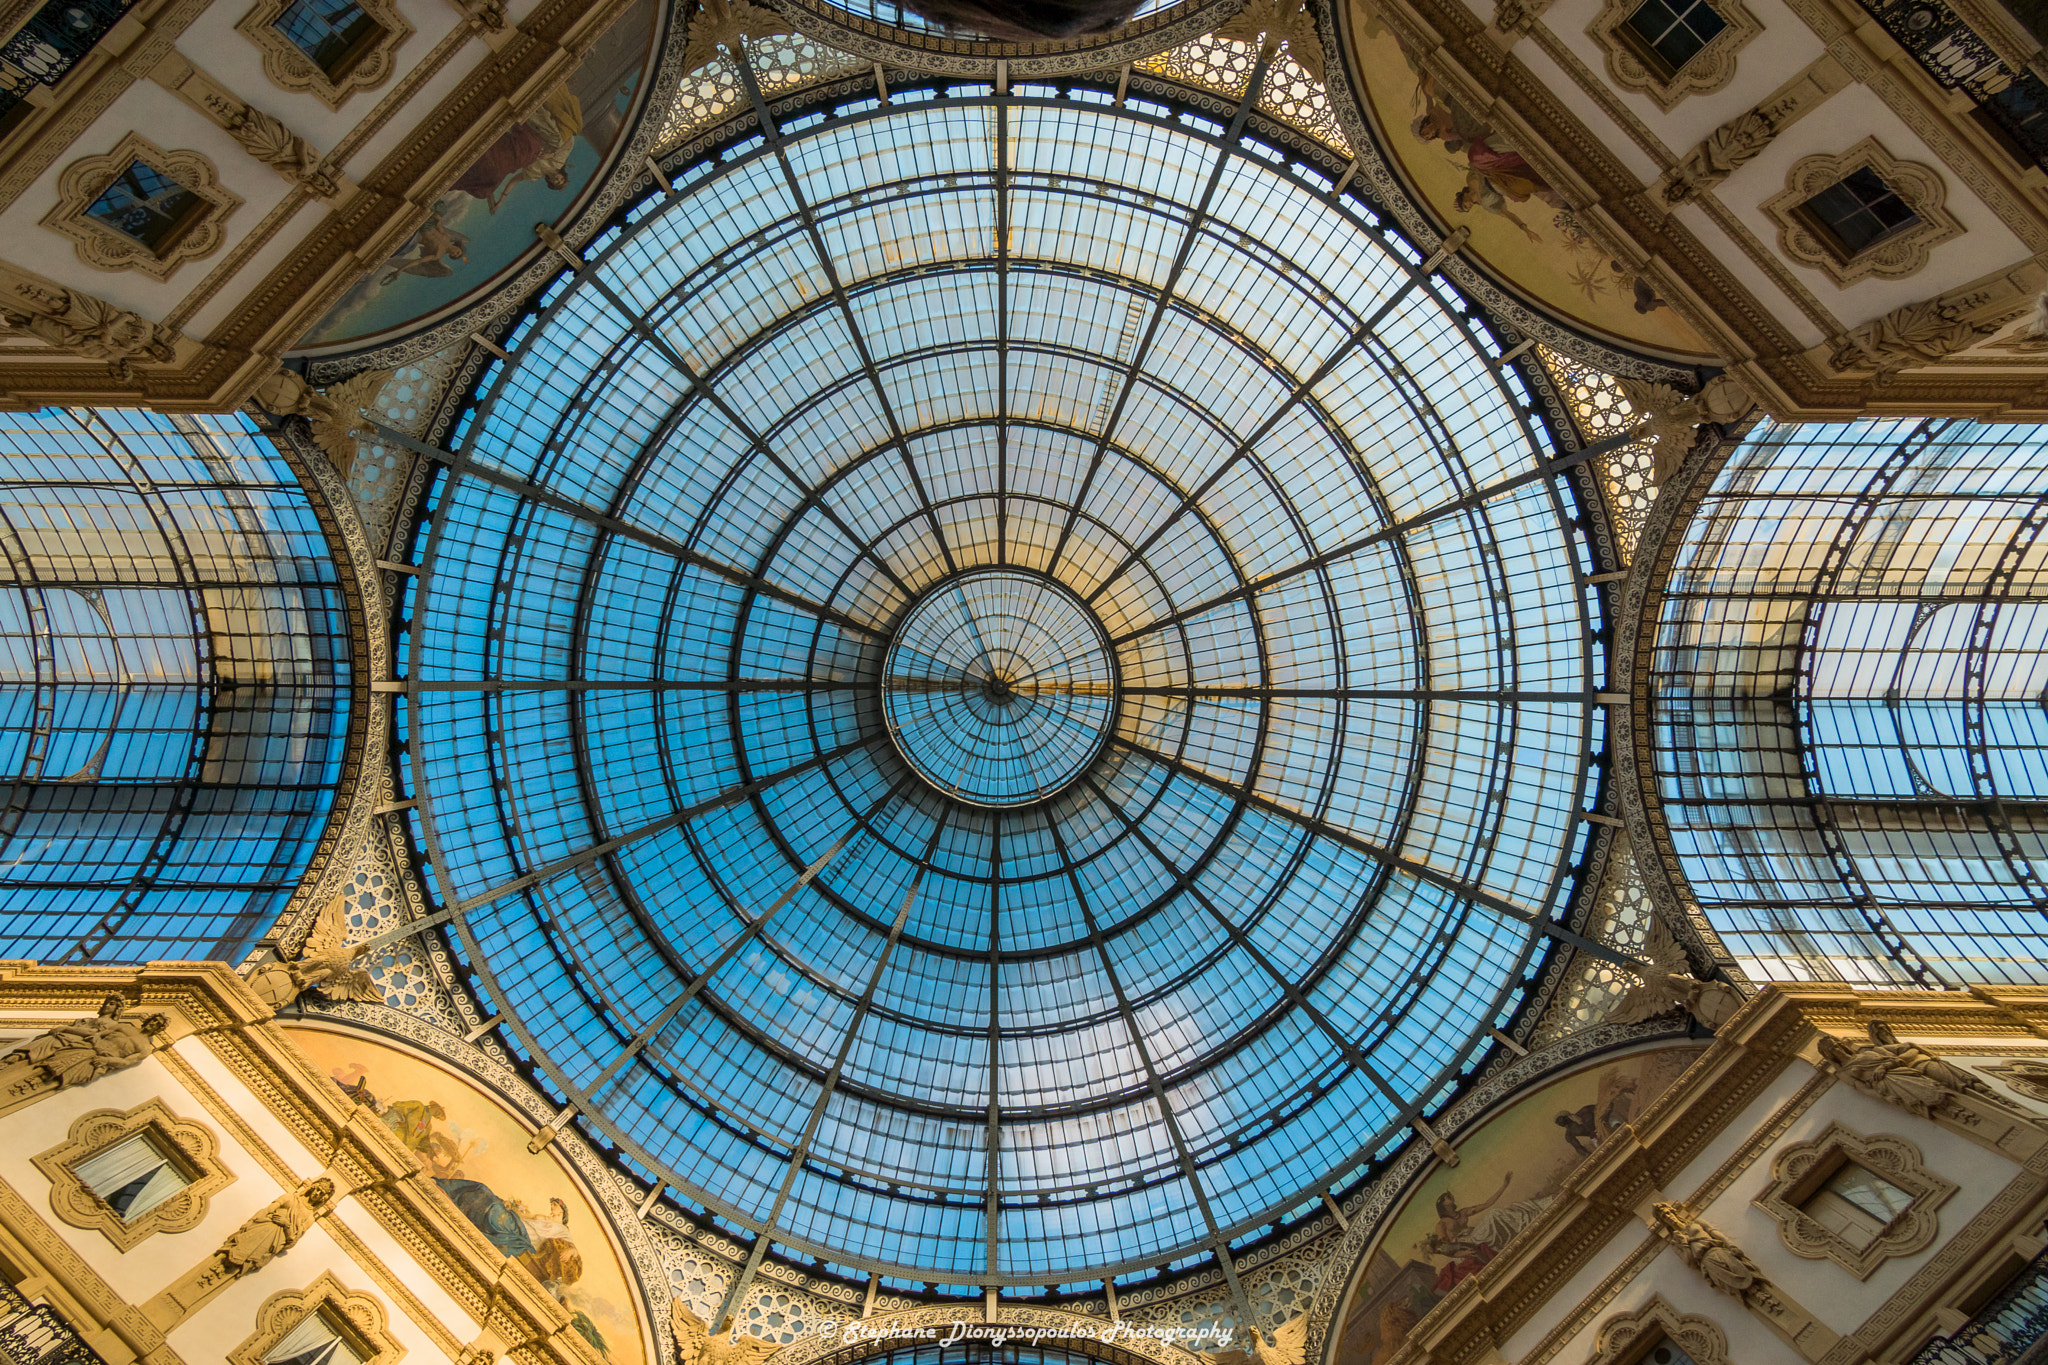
<point>1580,1129</point>
<point>554,1260</point>
<point>431,243</point>
<point>1453,1239</point>
<point>535,148</point>
<point>1496,174</point>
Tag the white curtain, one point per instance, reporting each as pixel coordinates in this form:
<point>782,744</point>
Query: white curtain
<point>129,1161</point>
<point>312,1342</point>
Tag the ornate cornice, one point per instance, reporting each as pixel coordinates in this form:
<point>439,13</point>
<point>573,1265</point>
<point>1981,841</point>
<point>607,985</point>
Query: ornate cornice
<point>392,199</point>
<point>1784,374</point>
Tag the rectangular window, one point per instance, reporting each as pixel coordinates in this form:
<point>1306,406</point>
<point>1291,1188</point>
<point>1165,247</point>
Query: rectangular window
<point>313,1342</point>
<point>1857,212</point>
<point>133,1176</point>
<point>335,34</point>
<point>1856,1204</point>
<point>1666,34</point>
<point>146,206</point>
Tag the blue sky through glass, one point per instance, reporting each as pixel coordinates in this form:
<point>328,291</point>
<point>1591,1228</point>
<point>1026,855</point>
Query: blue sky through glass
<point>1351,658</point>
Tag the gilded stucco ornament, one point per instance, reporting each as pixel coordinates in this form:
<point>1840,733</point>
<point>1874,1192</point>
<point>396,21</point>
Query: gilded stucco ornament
<point>77,1053</point>
<point>1674,987</point>
<point>696,1344</point>
<point>325,964</point>
<point>1903,1074</point>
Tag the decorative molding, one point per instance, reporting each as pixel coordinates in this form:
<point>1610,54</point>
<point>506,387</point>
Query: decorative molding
<point>82,324</point>
<point>357,1318</point>
<point>288,68</point>
<point>1799,1171</point>
<point>1904,253</point>
<point>2024,1076</point>
<point>1628,1338</point>
<point>190,1144</point>
<point>1712,67</point>
<point>265,138</point>
<point>103,248</point>
<point>1370,1208</point>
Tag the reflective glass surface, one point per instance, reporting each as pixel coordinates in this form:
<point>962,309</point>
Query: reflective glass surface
<point>1848,684</point>
<point>1154,415</point>
<point>999,688</point>
<point>174,685</point>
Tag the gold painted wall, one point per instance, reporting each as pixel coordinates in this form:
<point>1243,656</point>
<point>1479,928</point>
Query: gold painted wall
<point>1472,175</point>
<point>1509,1170</point>
<point>529,1207</point>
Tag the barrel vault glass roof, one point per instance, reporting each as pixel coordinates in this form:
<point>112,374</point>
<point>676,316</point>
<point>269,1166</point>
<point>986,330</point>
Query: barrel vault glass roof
<point>174,685</point>
<point>1129,355</point>
<point>1851,704</point>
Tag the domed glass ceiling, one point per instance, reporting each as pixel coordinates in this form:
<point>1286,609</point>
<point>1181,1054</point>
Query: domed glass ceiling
<point>1001,687</point>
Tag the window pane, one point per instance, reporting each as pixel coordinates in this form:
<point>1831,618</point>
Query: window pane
<point>145,205</point>
<point>334,33</point>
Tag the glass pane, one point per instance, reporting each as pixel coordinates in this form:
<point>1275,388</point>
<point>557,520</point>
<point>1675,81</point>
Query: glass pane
<point>147,206</point>
<point>334,33</point>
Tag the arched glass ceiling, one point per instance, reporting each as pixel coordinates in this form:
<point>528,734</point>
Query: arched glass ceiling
<point>1850,734</point>
<point>174,701</point>
<point>1225,424</point>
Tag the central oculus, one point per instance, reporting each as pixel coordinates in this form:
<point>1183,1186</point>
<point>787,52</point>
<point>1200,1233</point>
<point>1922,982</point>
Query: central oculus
<point>1000,687</point>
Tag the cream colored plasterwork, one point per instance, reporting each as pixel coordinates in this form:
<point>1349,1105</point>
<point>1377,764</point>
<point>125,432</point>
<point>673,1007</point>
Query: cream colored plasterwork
<point>101,247</point>
<point>2026,1077</point>
<point>1710,69</point>
<point>1629,1338</point>
<point>1921,187</point>
<point>358,1318</point>
<point>1799,1170</point>
<point>196,1153</point>
<point>291,69</point>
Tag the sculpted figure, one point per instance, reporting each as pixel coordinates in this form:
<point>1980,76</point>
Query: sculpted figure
<point>1917,334</point>
<point>1707,1250</point>
<point>90,327</point>
<point>80,1051</point>
<point>1676,417</point>
<point>289,395</point>
<point>1673,987</point>
<point>325,964</point>
<point>1724,151</point>
<point>1904,1074</point>
<point>273,1230</point>
<point>697,1345</point>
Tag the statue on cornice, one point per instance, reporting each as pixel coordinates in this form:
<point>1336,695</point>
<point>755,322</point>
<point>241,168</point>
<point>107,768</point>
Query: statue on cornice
<point>1673,987</point>
<point>1903,1074</point>
<point>78,1052</point>
<point>1707,1250</point>
<point>1674,417</point>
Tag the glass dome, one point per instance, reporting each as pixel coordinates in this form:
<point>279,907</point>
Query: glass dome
<point>1001,687</point>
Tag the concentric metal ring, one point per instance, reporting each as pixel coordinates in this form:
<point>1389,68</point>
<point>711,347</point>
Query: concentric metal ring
<point>999,688</point>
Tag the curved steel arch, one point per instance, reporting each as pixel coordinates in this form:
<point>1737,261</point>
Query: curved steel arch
<point>533,872</point>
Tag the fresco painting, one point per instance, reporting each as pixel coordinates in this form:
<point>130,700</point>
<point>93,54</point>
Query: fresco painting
<point>1508,1173</point>
<point>1474,176</point>
<point>526,1206</point>
<point>540,171</point>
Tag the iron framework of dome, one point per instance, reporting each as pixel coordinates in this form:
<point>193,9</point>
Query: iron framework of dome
<point>1135,378</point>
